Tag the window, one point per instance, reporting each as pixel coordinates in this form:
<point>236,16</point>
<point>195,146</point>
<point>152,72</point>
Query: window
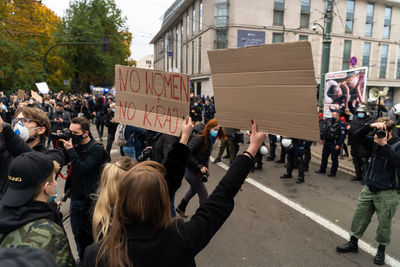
<point>350,16</point>
<point>303,37</point>
<point>176,46</point>
<point>384,55</point>
<point>370,20</point>
<point>398,64</point>
<point>187,24</point>
<point>182,47</point>
<point>187,59</point>
<point>201,16</point>
<point>221,39</point>
<point>192,57</point>
<point>277,37</point>
<point>366,53</point>
<point>279,6</point>
<point>194,20</point>
<point>305,14</point>
<point>346,54</point>
<point>199,58</point>
<point>388,18</point>
<point>221,13</point>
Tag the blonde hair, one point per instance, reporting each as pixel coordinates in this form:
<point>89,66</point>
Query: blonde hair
<point>107,195</point>
<point>142,198</point>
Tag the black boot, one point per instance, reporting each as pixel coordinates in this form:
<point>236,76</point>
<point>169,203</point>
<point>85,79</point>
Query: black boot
<point>300,180</point>
<point>351,246</point>
<point>286,175</point>
<point>269,158</point>
<point>356,178</point>
<point>320,171</point>
<point>182,208</point>
<point>380,255</point>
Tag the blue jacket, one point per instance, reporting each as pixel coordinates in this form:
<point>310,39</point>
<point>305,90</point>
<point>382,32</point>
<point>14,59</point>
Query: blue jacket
<point>209,113</point>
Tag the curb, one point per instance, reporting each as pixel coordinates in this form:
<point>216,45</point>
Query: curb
<point>315,157</point>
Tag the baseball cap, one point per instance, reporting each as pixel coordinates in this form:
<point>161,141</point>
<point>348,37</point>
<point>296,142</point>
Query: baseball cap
<point>25,173</point>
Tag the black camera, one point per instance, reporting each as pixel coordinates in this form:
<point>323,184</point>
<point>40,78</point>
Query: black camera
<point>65,134</point>
<point>146,154</point>
<point>380,133</point>
<point>204,177</point>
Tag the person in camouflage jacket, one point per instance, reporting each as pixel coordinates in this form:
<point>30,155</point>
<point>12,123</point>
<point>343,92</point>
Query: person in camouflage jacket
<point>26,218</point>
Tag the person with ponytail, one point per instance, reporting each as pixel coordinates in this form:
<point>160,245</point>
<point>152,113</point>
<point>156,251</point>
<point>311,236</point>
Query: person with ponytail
<point>200,148</point>
<point>107,195</point>
<point>143,233</point>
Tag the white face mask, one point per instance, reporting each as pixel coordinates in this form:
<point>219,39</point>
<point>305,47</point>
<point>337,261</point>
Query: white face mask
<point>22,131</point>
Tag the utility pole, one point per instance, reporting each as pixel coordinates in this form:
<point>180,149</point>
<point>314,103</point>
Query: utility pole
<point>326,50</point>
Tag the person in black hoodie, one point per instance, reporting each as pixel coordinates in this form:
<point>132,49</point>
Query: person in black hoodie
<point>143,232</point>
<point>26,217</point>
<point>112,125</point>
<point>380,191</point>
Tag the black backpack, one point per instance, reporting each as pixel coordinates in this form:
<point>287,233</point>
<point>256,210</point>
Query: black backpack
<point>106,155</point>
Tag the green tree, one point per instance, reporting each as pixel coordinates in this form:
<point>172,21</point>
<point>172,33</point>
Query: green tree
<point>26,31</point>
<point>94,21</point>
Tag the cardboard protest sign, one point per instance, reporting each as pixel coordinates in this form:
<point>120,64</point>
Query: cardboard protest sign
<point>36,96</point>
<point>343,87</point>
<point>272,84</point>
<point>154,100</point>
<point>21,94</point>
<point>43,88</point>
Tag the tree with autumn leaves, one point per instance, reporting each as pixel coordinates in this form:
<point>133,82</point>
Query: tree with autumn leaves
<point>28,29</point>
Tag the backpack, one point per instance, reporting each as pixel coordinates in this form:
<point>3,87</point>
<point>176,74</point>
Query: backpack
<point>106,155</point>
<point>121,135</point>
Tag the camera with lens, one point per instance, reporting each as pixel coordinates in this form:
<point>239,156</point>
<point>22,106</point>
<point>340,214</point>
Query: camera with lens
<point>146,154</point>
<point>380,133</point>
<point>204,177</point>
<point>65,134</point>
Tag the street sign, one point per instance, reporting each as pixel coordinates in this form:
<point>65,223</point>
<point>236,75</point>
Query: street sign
<point>353,61</point>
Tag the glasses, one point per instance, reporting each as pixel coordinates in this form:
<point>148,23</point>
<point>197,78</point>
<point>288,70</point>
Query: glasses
<point>16,120</point>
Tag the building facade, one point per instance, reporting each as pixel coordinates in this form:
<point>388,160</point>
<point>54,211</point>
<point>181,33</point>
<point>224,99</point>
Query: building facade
<point>368,30</point>
<point>146,62</point>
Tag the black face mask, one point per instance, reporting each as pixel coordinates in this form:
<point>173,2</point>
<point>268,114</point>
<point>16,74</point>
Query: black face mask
<point>77,139</point>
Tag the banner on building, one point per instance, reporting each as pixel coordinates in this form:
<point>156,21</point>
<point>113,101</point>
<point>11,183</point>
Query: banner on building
<point>250,38</point>
<point>344,88</point>
<point>272,84</point>
<point>154,100</point>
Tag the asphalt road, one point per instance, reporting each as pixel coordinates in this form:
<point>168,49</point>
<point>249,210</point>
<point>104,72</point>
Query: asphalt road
<point>264,231</point>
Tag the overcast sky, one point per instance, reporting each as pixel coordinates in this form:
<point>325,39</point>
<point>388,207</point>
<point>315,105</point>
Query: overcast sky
<point>144,20</point>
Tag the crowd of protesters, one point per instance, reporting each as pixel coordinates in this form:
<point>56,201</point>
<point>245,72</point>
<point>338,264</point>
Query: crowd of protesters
<point>122,213</point>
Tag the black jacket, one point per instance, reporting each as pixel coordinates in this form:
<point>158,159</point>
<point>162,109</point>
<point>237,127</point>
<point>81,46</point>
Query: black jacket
<point>86,167</point>
<point>162,146</point>
<point>112,127</point>
<point>55,126</point>
<point>182,241</point>
<point>11,146</point>
<point>361,142</point>
<point>381,172</point>
<point>199,154</point>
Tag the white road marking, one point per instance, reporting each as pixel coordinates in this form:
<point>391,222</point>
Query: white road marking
<point>389,260</point>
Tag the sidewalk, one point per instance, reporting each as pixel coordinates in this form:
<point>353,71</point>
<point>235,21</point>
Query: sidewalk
<point>345,165</point>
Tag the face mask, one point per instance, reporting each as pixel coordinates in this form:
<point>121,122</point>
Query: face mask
<point>3,107</point>
<point>214,133</point>
<point>195,104</point>
<point>53,197</point>
<point>360,115</point>
<point>22,131</point>
<point>113,110</point>
<point>46,103</point>
<point>76,139</point>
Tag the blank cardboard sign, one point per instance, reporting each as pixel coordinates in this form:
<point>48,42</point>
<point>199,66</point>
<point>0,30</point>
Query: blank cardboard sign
<point>272,84</point>
<point>154,100</point>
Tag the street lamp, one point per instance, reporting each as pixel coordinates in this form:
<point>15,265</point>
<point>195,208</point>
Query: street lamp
<point>326,48</point>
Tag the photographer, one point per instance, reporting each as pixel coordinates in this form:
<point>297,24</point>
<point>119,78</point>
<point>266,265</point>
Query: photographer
<point>196,172</point>
<point>379,193</point>
<point>59,119</point>
<point>86,157</point>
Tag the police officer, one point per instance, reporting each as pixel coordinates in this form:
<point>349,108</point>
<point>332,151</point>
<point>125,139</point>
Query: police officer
<point>333,133</point>
<point>295,155</point>
<point>361,145</point>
